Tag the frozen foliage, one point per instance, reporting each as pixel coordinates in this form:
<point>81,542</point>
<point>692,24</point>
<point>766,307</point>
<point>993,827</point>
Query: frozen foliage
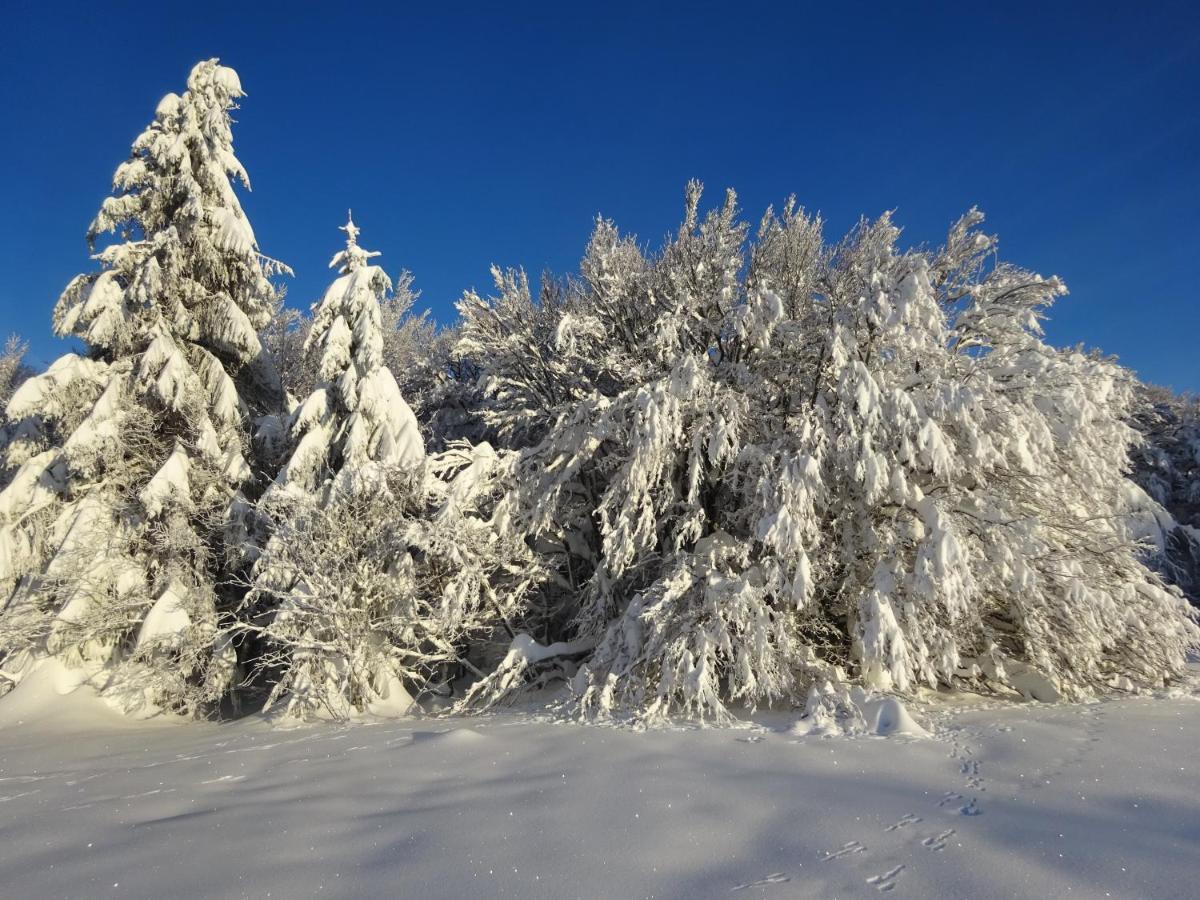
<point>385,570</point>
<point>132,457</point>
<point>355,422</point>
<point>13,370</point>
<point>759,467</point>
<point>382,596</point>
<point>418,354</point>
<point>1167,468</point>
<point>747,469</point>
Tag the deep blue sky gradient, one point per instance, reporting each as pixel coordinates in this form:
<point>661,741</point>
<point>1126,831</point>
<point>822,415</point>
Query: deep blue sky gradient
<point>464,135</point>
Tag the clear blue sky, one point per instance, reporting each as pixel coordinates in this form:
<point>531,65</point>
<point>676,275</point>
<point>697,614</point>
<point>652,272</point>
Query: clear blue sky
<point>464,135</point>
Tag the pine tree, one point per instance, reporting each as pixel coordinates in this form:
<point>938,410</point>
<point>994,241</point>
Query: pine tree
<point>133,456</point>
<point>383,569</point>
<point>356,421</point>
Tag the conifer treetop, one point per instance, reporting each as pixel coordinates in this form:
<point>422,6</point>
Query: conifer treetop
<point>354,256</point>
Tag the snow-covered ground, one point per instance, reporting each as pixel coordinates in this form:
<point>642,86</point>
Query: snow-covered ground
<point>1097,800</point>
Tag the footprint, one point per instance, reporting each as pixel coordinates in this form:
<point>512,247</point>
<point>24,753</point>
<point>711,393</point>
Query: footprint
<point>886,881</point>
<point>20,795</point>
<point>774,878</point>
<point>846,850</point>
<point>949,797</point>
<point>908,819</point>
<point>752,739</point>
<point>938,841</point>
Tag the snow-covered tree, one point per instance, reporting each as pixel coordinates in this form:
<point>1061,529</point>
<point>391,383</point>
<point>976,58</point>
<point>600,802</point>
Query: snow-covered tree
<point>384,569</point>
<point>12,367</point>
<point>420,353</point>
<point>13,372</point>
<point>758,471</point>
<point>356,420</point>
<point>133,456</point>
<point>283,339</point>
<point>1166,465</point>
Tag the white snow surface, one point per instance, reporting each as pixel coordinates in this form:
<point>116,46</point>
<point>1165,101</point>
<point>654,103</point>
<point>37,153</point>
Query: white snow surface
<point>1002,800</point>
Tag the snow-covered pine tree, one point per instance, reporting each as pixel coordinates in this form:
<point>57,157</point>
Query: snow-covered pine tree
<point>132,456</point>
<point>382,568</point>
<point>848,463</point>
<point>355,422</point>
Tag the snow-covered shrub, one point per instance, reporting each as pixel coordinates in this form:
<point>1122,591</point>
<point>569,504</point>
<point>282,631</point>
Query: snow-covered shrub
<point>384,569</point>
<point>756,467</point>
<point>132,457</point>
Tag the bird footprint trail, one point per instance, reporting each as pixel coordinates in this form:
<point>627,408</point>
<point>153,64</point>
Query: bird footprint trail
<point>971,770</point>
<point>886,881</point>
<point>908,819</point>
<point>938,841</point>
<point>774,878</point>
<point>845,850</point>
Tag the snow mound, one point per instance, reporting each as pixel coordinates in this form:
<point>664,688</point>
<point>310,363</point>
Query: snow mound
<point>54,694</point>
<point>889,716</point>
<point>450,737</point>
<point>851,711</point>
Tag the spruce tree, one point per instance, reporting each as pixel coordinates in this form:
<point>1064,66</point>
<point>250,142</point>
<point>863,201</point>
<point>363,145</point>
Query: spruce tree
<point>386,570</point>
<point>122,521</point>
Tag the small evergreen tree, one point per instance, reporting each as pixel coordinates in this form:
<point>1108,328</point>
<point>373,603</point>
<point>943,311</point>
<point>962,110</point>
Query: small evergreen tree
<point>381,570</point>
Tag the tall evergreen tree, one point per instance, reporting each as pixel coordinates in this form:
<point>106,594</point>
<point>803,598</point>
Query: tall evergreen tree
<point>114,531</point>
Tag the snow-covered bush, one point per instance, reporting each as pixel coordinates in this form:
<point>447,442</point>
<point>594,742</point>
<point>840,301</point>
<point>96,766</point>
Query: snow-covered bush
<point>384,570</point>
<point>758,468</point>
<point>113,530</point>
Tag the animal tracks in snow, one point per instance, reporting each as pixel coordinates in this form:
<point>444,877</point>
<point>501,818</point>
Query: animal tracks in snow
<point>774,878</point>
<point>938,841</point>
<point>225,779</point>
<point>845,850</point>
<point>887,880</point>
<point>908,819</point>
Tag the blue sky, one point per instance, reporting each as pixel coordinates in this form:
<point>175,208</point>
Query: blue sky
<point>464,135</point>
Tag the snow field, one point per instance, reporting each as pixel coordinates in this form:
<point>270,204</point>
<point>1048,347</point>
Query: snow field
<point>1096,800</point>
